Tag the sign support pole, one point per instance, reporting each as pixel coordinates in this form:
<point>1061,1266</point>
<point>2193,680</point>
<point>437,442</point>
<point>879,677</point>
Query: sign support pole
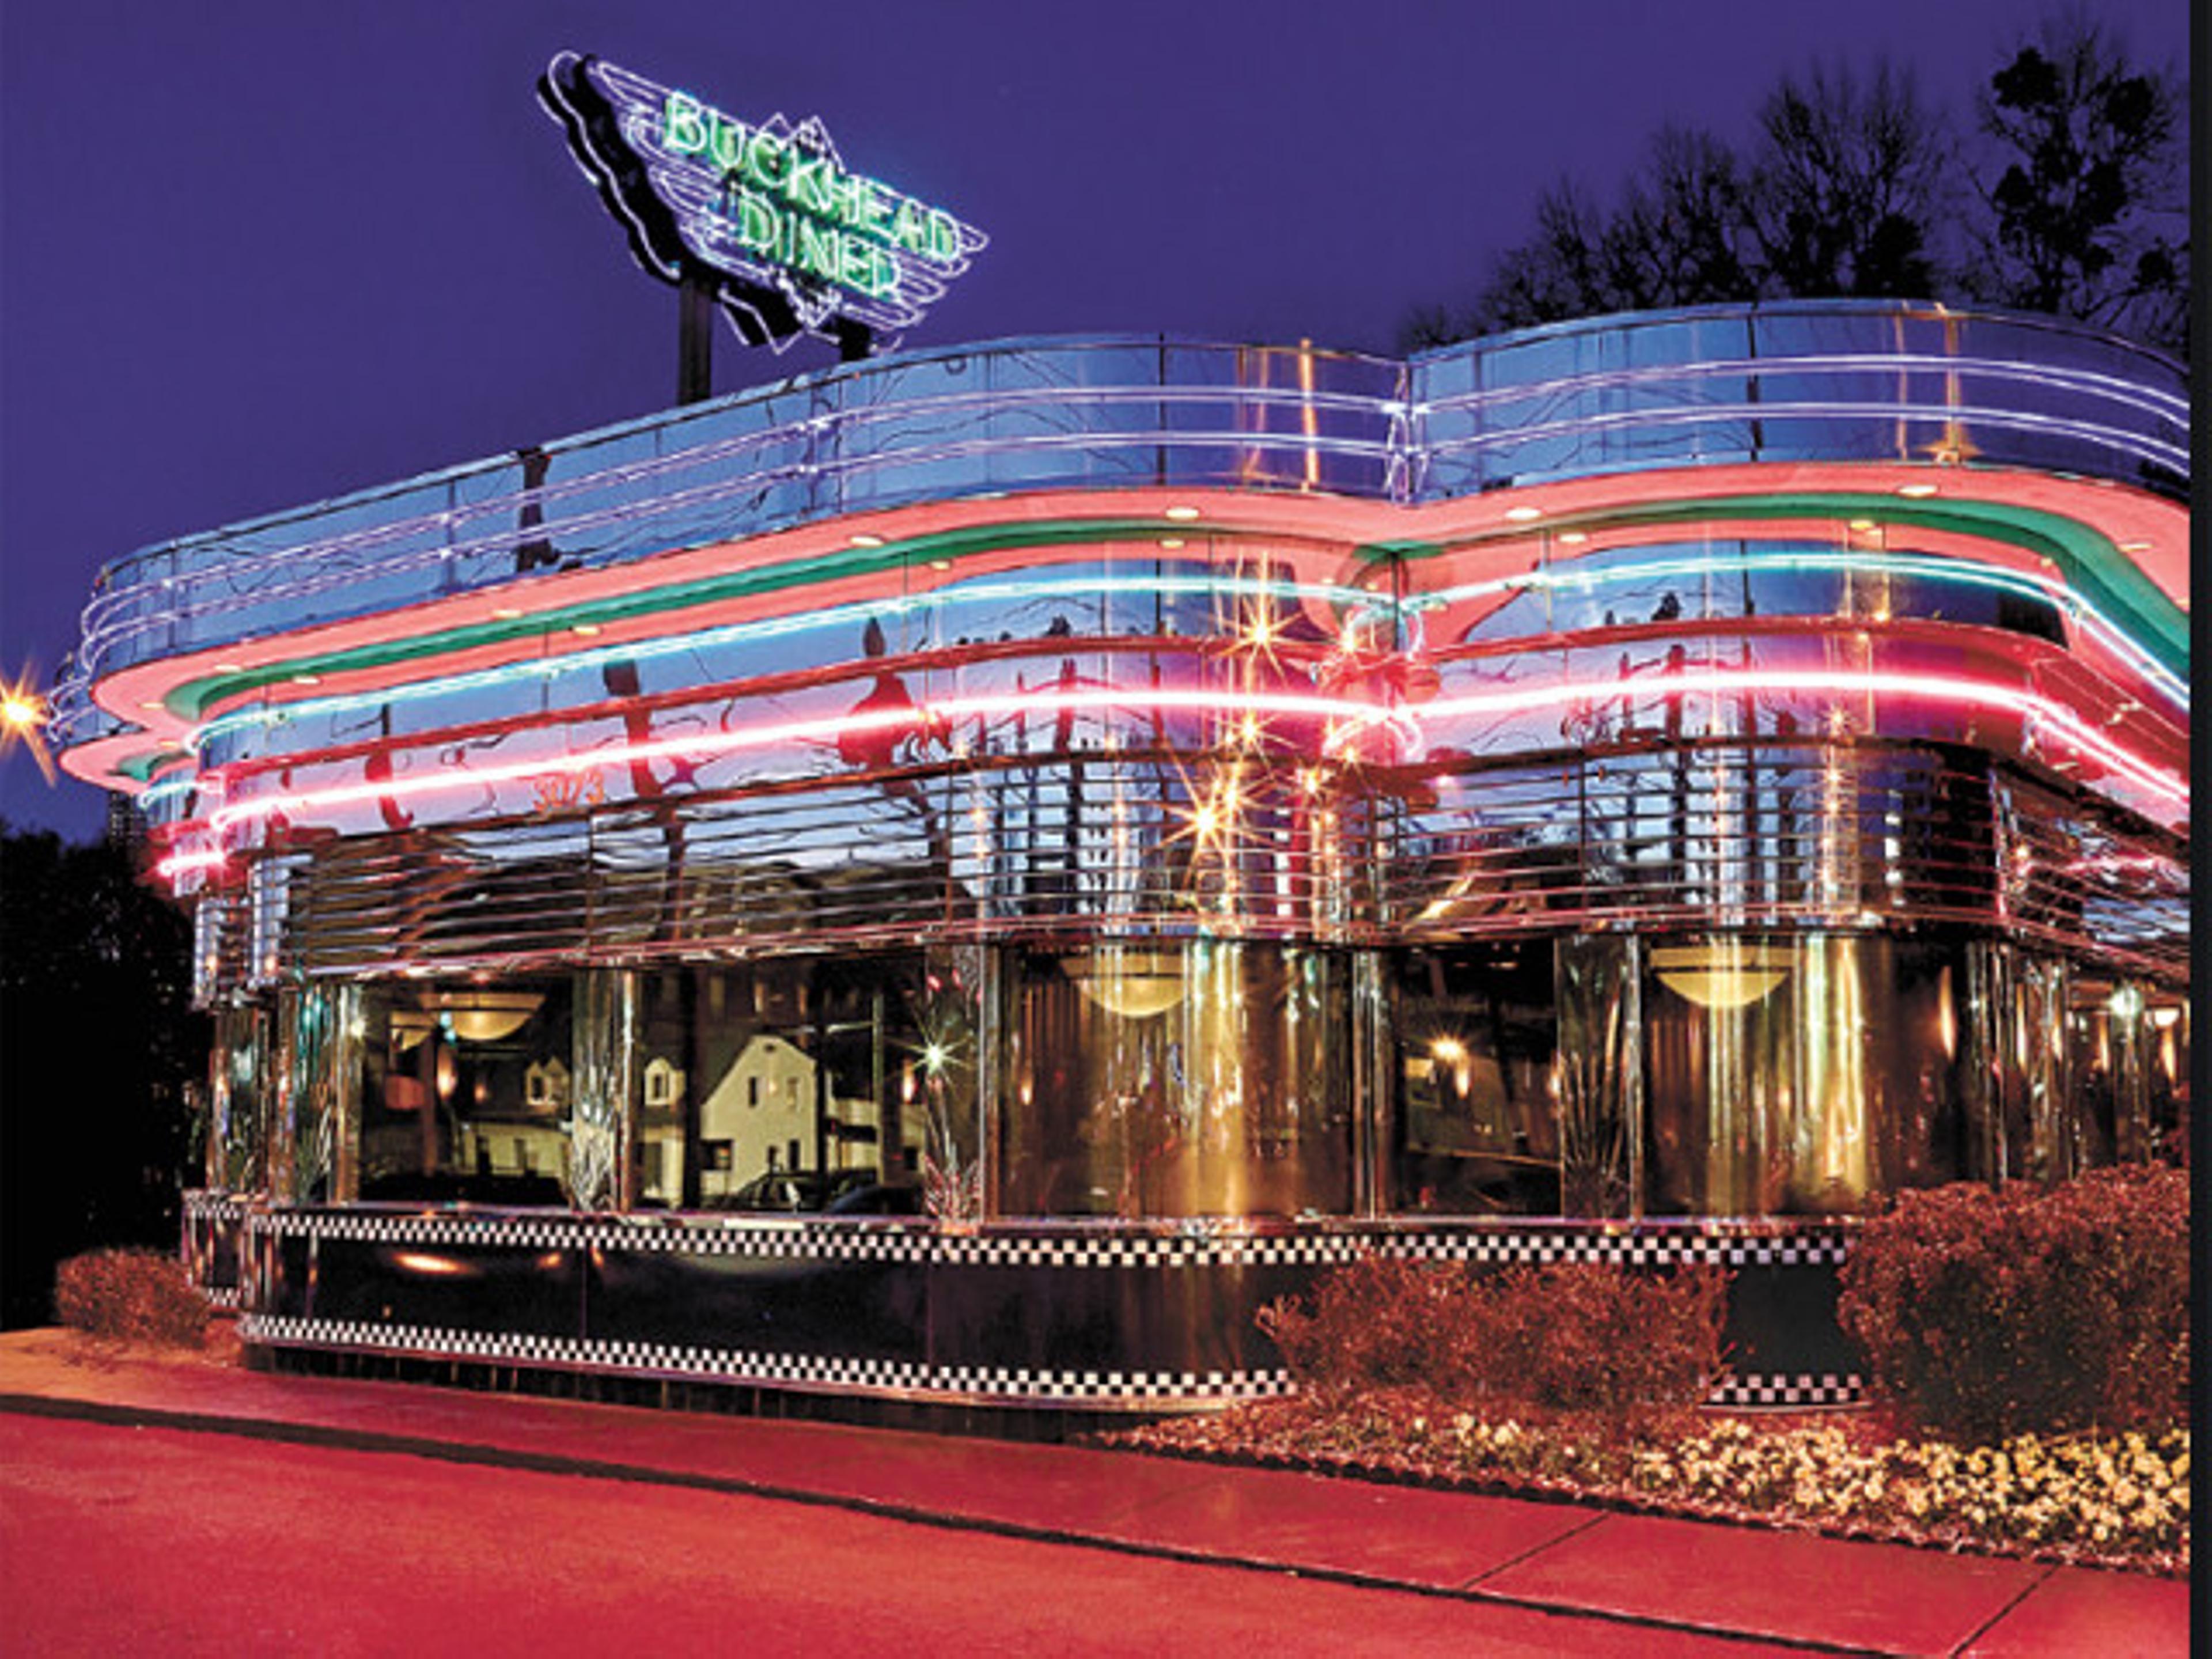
<point>695,345</point>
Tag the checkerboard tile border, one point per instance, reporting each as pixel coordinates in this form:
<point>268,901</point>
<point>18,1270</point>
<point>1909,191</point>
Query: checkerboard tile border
<point>756,1367</point>
<point>999,1383</point>
<point>872,1242</point>
<point>1805,1389</point>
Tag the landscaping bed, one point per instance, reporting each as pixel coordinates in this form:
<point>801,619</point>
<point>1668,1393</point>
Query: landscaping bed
<point>2029,1347</point>
<point>2113,1501</point>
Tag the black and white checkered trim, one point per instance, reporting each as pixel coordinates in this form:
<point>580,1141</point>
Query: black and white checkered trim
<point>1761,1244</point>
<point>808,1240</point>
<point>215,1208</point>
<point>1139,1250</point>
<point>951,1383</point>
<point>1630,1249</point>
<point>1801,1388</point>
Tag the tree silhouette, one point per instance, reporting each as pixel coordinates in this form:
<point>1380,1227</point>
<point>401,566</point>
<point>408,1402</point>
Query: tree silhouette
<point>2087,213</point>
<point>97,1042</point>
<point>1855,188</point>
<point>1847,184</point>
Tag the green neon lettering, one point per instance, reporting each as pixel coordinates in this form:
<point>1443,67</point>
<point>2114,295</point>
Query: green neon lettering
<point>682,128</point>
<point>870,208</point>
<point>910,229</point>
<point>768,160</point>
<point>817,249</point>
<point>806,189</point>
<point>727,149</point>
<point>757,224</point>
<point>867,268</point>
<point>944,236</point>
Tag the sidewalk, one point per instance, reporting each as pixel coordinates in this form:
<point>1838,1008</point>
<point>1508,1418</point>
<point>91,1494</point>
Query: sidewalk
<point>1815,1593</point>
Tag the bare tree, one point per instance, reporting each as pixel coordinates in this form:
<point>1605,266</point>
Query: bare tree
<point>1674,239</point>
<point>1678,238</point>
<point>1850,179</point>
<point>2087,215</point>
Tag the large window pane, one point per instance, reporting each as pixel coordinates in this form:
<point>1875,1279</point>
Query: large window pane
<point>1176,1080</point>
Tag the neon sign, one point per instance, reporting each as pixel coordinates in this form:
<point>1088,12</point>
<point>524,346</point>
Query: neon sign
<point>765,216</point>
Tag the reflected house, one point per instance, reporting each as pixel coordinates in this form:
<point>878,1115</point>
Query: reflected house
<point>1643,789</point>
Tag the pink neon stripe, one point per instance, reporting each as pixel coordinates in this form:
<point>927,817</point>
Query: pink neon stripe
<point>177,863</point>
<point>1524,700</point>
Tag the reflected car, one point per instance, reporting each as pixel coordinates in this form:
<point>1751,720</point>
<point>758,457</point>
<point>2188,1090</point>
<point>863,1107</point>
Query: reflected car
<point>877,1198</point>
<point>780,1191</point>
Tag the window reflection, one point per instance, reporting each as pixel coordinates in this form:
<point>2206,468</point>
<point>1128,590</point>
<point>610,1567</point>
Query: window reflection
<point>1477,1117</point>
<point>467,1090</point>
<point>1178,1079</point>
<point>784,1084</point>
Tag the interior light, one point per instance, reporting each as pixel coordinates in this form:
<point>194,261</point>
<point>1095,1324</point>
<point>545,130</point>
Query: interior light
<point>864,540</point>
<point>306,680</point>
<point>1573,537</point>
<point>230,668</point>
<point>1723,973</point>
<point>1134,984</point>
<point>2135,547</point>
<point>1170,542</point>
<point>153,703</point>
<point>1916,491</point>
<point>1523,514</point>
<point>507,613</point>
<point>940,564</point>
<point>586,630</point>
<point>1183,514</point>
<point>1862,526</point>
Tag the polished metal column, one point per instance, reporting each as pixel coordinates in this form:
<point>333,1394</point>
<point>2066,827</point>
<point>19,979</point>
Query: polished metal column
<point>608,1061</point>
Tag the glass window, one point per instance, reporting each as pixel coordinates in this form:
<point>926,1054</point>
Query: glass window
<point>783,1085</point>
<point>1801,1075</point>
<point>467,1090</point>
<point>1178,1079</point>
<point>1477,1125</point>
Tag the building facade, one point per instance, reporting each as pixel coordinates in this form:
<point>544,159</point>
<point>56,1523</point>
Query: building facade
<point>1647,788</point>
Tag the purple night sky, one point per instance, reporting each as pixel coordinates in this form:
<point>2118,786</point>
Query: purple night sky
<point>258,254</point>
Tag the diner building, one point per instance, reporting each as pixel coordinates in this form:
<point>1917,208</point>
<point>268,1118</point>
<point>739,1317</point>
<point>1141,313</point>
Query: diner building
<point>960,877</point>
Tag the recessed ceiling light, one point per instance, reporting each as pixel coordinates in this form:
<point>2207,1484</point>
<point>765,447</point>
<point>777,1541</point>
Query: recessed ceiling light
<point>940,564</point>
<point>2135,547</point>
<point>587,629</point>
<point>1170,542</point>
<point>1523,514</point>
<point>306,680</point>
<point>153,703</point>
<point>1863,525</point>
<point>506,612</point>
<point>230,668</point>
<point>865,540</point>
<point>1916,491</point>
<point>1574,537</point>
<point>1183,514</point>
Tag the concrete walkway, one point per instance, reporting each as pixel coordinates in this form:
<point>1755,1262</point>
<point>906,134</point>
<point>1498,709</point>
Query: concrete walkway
<point>1734,1585</point>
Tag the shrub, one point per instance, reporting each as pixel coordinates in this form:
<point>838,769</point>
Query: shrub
<point>1983,1313</point>
<point>130,1295</point>
<point>1576,1336</point>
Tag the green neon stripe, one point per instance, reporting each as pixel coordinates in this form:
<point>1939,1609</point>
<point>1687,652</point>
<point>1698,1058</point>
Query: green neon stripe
<point>192,699</point>
<point>2087,561</point>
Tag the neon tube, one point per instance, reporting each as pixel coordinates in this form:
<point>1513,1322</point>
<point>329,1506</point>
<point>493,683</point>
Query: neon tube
<point>1360,713</point>
<point>768,629</point>
<point>2023,582</point>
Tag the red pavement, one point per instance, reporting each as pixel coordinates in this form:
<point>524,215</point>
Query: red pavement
<point>1620,1582</point>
